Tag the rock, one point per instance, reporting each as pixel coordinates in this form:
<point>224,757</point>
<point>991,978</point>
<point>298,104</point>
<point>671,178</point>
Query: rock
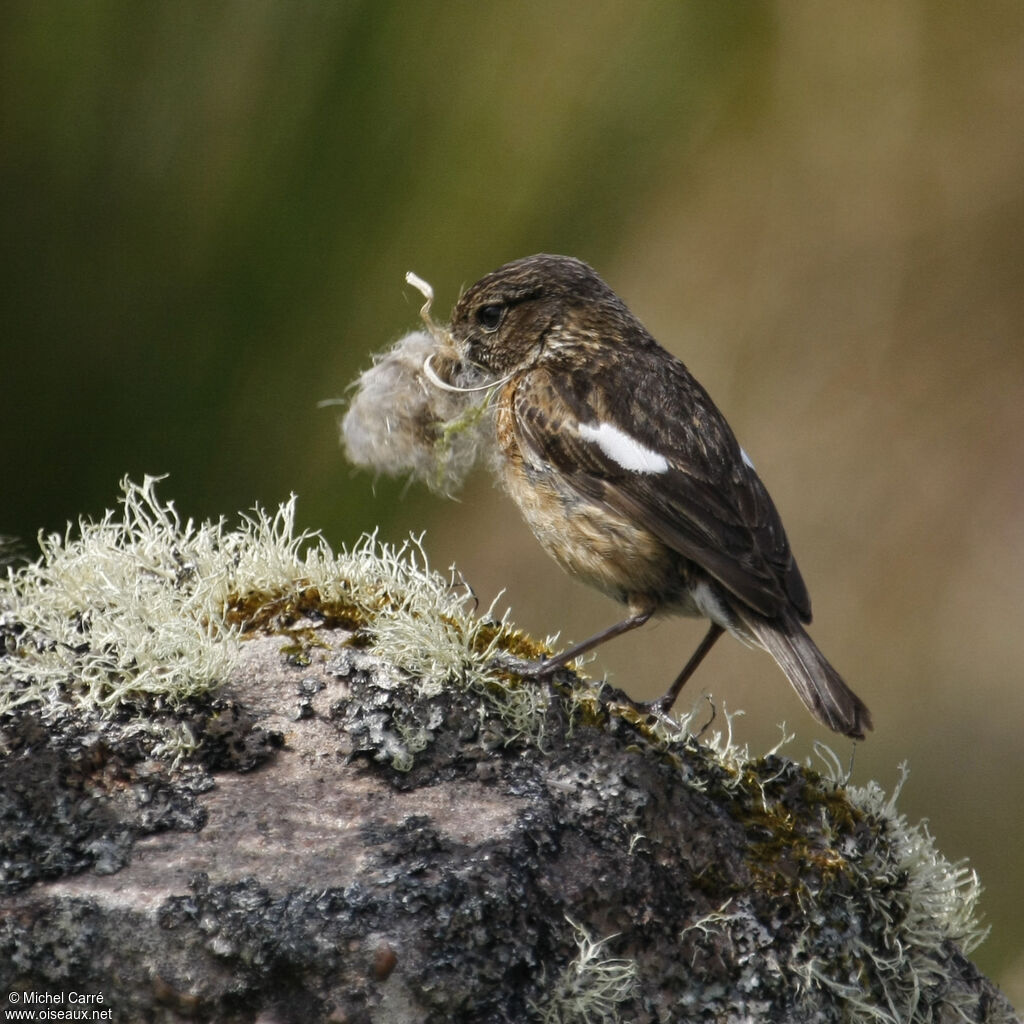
<point>340,846</point>
<point>245,779</point>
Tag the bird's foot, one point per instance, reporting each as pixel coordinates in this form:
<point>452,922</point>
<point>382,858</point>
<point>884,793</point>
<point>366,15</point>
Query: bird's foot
<point>660,707</point>
<point>542,668</point>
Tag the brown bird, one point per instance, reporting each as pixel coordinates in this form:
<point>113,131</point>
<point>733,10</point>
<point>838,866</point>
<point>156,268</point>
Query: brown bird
<point>632,480</point>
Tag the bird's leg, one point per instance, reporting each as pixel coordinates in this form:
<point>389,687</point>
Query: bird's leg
<point>548,666</point>
<point>663,705</point>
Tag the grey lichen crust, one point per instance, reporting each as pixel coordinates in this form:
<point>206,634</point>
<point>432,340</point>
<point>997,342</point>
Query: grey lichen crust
<point>246,777</point>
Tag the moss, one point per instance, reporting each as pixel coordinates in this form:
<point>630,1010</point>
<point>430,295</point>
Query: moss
<point>278,612</point>
<point>492,637</point>
<point>797,824</point>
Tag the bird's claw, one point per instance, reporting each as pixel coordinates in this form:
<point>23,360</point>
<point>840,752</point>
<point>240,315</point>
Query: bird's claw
<point>660,708</point>
<point>542,668</point>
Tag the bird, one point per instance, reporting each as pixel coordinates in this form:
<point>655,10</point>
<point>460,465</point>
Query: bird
<point>632,480</point>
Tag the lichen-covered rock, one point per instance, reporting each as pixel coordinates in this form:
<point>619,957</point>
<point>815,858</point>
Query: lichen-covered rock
<point>404,857</point>
<point>363,820</point>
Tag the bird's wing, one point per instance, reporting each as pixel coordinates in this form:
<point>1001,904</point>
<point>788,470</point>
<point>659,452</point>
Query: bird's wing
<point>657,451</point>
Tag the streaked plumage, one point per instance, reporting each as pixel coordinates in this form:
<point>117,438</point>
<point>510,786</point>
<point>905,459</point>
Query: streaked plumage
<point>631,478</point>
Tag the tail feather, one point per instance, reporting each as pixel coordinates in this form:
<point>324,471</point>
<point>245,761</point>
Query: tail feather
<point>816,682</point>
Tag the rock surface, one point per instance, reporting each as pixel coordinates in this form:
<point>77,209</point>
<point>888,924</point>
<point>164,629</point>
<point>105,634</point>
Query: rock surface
<point>327,840</point>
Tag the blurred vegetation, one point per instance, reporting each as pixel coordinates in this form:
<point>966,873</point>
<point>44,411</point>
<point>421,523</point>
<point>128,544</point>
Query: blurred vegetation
<point>208,210</point>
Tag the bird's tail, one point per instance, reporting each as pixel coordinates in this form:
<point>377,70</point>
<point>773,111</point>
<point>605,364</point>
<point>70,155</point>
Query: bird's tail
<point>816,682</point>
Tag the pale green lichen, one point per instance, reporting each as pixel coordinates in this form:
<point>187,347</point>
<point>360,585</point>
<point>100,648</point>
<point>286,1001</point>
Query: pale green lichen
<point>934,903</point>
<point>144,604</point>
<point>130,606</point>
<point>881,908</point>
<point>592,987</point>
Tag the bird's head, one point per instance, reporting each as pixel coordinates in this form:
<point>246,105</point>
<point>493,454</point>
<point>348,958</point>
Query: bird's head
<point>509,319</point>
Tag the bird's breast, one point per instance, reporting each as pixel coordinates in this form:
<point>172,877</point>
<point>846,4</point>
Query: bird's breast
<point>589,540</point>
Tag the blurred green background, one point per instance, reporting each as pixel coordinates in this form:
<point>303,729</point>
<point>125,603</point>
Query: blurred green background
<point>208,210</point>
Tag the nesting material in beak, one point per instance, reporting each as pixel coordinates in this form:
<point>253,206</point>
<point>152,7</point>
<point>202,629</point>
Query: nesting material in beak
<point>420,409</point>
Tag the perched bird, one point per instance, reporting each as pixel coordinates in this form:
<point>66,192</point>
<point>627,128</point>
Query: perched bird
<point>630,477</point>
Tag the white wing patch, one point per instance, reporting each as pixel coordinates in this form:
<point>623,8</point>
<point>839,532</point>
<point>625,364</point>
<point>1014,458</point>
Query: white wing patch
<point>622,449</point>
<point>747,460</point>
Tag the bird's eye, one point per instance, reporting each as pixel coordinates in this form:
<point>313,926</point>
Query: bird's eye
<point>488,317</point>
